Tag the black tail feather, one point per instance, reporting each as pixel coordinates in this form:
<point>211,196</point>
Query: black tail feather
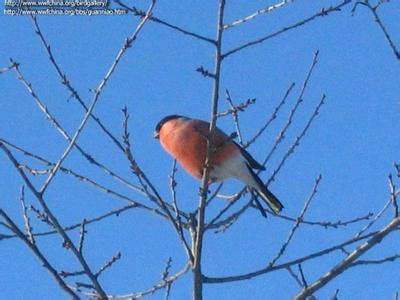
<point>269,198</point>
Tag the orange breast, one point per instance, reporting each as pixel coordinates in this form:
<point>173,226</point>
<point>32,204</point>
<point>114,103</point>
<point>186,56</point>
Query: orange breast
<point>186,141</point>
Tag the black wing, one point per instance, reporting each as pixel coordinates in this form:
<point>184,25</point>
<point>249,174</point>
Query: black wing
<point>252,162</point>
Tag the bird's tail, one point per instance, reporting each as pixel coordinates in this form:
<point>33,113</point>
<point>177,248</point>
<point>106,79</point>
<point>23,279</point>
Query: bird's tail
<point>269,198</point>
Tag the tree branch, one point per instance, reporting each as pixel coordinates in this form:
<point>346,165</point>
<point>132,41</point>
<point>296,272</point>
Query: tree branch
<point>198,238</point>
<point>33,247</point>
<point>349,260</point>
<point>259,12</point>
<point>324,12</point>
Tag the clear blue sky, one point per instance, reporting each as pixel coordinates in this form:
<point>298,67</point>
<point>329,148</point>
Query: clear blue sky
<point>353,142</point>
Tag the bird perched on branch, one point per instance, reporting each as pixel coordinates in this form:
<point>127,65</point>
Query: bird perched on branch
<point>186,140</point>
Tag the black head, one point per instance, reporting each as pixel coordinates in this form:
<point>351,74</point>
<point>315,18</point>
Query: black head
<point>162,122</point>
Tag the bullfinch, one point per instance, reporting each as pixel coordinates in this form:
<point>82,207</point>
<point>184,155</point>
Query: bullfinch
<point>186,140</point>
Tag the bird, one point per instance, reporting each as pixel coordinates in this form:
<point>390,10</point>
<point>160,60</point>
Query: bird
<point>185,139</point>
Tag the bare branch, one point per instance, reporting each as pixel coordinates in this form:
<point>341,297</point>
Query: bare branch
<point>64,133</point>
<point>109,214</point>
<point>324,12</point>
<point>234,111</point>
<point>109,264</point>
<point>328,224</point>
<point>78,176</point>
<point>335,296</point>
<point>259,12</point>
<point>303,278</point>
<point>378,20</point>
<point>147,184</point>
<point>295,277</point>
<point>133,203</point>
<point>55,223</point>
<point>165,275</point>
<point>205,72</point>
<point>66,82</point>
<point>82,235</point>
<point>33,247</point>
<point>272,117</point>
<point>197,244</point>
<point>297,140</point>
<point>161,285</point>
<point>269,269</point>
<point>376,218</point>
<point>10,67</point>
<point>99,89</point>
<point>349,260</point>
<point>298,222</point>
<point>141,14</point>
<point>393,196</point>
<point>223,225</point>
<point>172,185</point>
<point>376,261</point>
<point>28,227</point>
<point>293,111</point>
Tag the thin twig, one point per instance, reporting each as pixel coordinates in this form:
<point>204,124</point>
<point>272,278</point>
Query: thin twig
<point>273,116</point>
<point>237,108</point>
<point>393,196</point>
<point>297,223</point>
<point>165,275</point>
<point>349,260</point>
<point>172,185</point>
<point>141,14</point>
<point>225,224</point>
<point>162,284</point>
<point>64,133</point>
<point>82,235</point>
<point>55,223</point>
<point>376,261</point>
<point>295,277</point>
<point>9,68</point>
<point>109,264</point>
<point>115,212</point>
<point>66,274</point>
<point>147,184</point>
<point>259,12</point>
<point>99,89</point>
<point>294,262</point>
<point>322,13</point>
<point>378,20</point>
<point>66,82</point>
<point>97,185</point>
<point>335,296</point>
<point>232,201</point>
<point>33,247</point>
<point>234,111</point>
<point>28,227</point>
<point>294,109</point>
<point>328,224</point>
<point>303,278</point>
<point>376,218</point>
<point>297,140</point>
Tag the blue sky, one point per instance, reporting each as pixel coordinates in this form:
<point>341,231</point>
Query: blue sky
<point>353,142</point>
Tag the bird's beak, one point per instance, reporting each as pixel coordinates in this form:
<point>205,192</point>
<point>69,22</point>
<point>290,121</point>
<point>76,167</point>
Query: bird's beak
<point>156,135</point>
